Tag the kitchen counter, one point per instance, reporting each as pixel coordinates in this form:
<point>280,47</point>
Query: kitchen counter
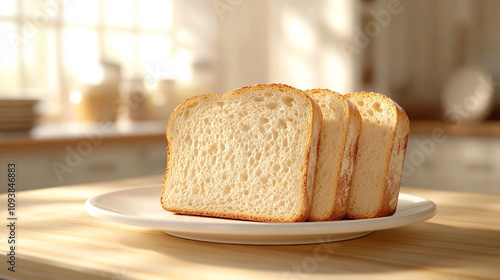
<point>67,133</point>
<point>57,239</point>
<point>65,153</point>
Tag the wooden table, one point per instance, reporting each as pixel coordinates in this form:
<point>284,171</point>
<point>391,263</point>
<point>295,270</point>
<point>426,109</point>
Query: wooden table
<point>57,239</point>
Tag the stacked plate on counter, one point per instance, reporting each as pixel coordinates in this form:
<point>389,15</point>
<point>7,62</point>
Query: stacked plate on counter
<point>17,114</point>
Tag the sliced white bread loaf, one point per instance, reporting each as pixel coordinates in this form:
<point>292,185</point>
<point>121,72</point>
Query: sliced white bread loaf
<point>337,155</point>
<point>248,154</point>
<point>381,152</point>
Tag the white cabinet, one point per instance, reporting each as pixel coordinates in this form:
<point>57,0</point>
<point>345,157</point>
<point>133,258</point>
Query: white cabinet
<point>64,164</point>
<point>461,163</point>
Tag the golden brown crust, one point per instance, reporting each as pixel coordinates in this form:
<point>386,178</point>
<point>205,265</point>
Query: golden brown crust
<point>393,164</point>
<point>310,154</point>
<point>350,154</point>
<point>394,172</point>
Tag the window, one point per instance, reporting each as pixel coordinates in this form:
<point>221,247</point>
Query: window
<point>47,45</point>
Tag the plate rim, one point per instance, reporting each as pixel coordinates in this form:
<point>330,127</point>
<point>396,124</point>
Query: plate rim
<point>231,227</point>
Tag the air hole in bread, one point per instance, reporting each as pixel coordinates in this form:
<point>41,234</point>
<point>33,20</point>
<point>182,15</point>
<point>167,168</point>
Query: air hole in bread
<point>220,104</point>
<point>212,149</point>
<point>267,147</point>
<point>370,112</point>
<point>206,121</point>
<point>224,176</point>
<point>276,167</point>
<point>376,107</point>
<point>191,105</point>
<point>361,103</point>
<point>245,127</point>
<point>258,155</point>
<point>264,120</point>
<point>288,101</point>
<point>186,114</point>
<point>285,143</point>
<point>258,172</point>
<point>268,94</point>
<point>222,147</point>
<point>264,179</point>
<point>246,192</point>
<point>282,123</point>
<point>243,177</point>
<point>251,161</point>
<point>231,116</point>
<point>195,151</point>
<point>262,129</point>
<point>275,134</point>
<point>272,105</point>
<point>226,190</point>
<point>258,99</point>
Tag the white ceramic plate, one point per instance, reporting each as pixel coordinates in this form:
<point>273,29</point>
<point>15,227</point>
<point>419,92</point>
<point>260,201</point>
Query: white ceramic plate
<point>141,207</point>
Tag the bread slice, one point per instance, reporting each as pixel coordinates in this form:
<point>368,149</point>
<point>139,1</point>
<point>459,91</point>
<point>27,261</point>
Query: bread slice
<point>337,155</point>
<point>248,154</point>
<point>381,152</point>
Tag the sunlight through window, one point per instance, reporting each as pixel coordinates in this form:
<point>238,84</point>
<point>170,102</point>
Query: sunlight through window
<point>57,45</point>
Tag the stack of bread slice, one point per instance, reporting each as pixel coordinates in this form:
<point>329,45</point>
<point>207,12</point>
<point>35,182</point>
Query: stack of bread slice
<point>274,153</point>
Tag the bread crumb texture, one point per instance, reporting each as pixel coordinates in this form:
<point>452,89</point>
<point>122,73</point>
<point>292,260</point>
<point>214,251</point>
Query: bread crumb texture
<point>239,155</point>
<point>379,120</point>
<point>328,199</point>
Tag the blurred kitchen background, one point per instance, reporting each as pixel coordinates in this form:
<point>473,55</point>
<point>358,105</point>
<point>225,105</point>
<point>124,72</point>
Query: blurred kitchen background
<point>87,86</point>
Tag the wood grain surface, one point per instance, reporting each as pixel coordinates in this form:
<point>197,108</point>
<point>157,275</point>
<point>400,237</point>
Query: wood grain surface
<point>57,239</point>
